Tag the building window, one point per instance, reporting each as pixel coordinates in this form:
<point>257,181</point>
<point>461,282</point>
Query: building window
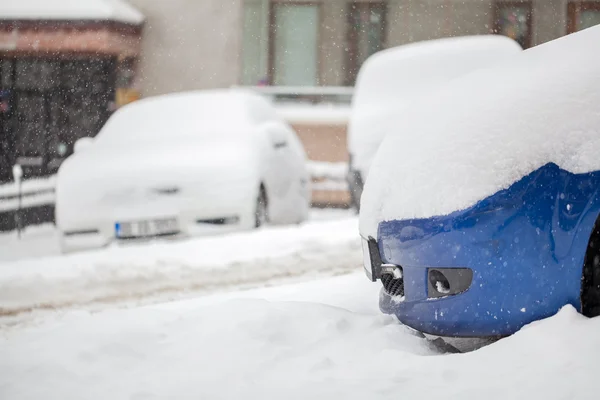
<point>513,19</point>
<point>366,35</point>
<point>255,43</point>
<point>294,44</point>
<point>582,15</point>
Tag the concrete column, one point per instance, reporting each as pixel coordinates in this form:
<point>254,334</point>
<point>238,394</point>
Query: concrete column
<point>190,44</point>
<point>333,42</point>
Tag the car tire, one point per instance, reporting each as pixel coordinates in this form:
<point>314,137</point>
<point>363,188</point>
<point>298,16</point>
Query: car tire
<point>261,213</point>
<point>590,281</point>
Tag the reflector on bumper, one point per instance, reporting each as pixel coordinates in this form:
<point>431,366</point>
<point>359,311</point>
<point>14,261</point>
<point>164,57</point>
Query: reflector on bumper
<point>371,259</point>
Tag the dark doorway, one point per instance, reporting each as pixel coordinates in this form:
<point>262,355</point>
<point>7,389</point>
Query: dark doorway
<point>513,19</point>
<point>49,104</point>
<point>366,35</point>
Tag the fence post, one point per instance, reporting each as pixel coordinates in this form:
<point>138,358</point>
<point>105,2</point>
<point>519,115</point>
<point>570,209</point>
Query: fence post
<point>18,175</point>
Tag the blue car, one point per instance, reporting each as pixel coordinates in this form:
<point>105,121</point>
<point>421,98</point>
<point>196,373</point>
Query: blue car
<point>521,251</point>
<point>514,257</point>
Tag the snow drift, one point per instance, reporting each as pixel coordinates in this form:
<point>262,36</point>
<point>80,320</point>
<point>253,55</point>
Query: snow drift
<point>94,10</point>
<point>121,274</point>
<point>393,79</point>
<point>297,344</point>
<point>481,133</point>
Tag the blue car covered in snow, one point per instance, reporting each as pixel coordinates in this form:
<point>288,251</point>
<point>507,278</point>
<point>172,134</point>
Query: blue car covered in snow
<point>486,217</point>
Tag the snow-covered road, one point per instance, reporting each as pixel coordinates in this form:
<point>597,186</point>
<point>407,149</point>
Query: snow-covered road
<point>319,340</point>
<point>118,324</point>
<point>328,244</point>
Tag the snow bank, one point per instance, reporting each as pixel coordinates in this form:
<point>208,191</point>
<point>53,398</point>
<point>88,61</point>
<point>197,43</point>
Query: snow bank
<point>328,176</point>
<point>314,114</point>
<point>328,170</point>
<point>393,79</point>
<point>95,10</point>
<point>119,274</point>
<point>481,133</point>
<point>290,347</point>
<point>202,114</point>
<point>35,241</point>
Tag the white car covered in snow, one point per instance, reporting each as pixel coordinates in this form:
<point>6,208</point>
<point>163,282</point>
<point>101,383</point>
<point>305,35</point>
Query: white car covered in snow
<point>391,80</point>
<point>182,164</point>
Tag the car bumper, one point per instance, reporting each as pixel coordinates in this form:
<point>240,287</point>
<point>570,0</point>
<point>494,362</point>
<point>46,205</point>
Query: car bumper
<point>101,230</point>
<point>523,248</point>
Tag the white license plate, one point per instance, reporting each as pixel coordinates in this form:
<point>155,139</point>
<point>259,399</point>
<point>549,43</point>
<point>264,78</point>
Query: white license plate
<point>367,265</point>
<point>149,228</point>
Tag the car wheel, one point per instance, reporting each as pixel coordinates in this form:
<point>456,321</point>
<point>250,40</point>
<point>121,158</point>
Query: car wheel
<point>262,209</point>
<point>590,281</point>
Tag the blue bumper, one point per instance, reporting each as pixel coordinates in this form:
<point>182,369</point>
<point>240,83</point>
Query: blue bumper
<point>525,246</point>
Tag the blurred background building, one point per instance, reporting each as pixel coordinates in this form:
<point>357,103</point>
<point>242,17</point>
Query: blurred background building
<point>63,66</point>
<point>66,65</point>
<point>190,44</point>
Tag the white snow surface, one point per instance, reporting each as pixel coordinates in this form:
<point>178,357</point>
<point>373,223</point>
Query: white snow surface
<point>318,340</point>
<point>314,114</point>
<point>36,241</point>
<point>392,80</point>
<point>95,10</point>
<point>328,170</point>
<point>125,273</point>
<point>202,113</point>
<point>490,129</point>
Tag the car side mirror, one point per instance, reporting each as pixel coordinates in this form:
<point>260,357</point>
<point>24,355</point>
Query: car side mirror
<point>82,144</point>
<point>277,136</point>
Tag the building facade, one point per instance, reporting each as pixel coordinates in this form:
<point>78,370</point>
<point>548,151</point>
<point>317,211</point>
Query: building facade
<point>61,69</point>
<point>324,42</point>
<point>64,68</point>
<point>190,44</point>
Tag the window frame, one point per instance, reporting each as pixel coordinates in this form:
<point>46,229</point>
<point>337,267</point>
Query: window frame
<point>272,33</point>
<point>352,39</point>
<point>574,9</point>
<point>503,4</point>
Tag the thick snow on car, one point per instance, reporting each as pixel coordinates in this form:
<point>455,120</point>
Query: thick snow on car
<point>393,79</point>
<point>485,217</point>
<point>183,164</point>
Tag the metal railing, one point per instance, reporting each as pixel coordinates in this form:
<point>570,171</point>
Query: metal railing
<point>341,95</point>
<point>30,203</point>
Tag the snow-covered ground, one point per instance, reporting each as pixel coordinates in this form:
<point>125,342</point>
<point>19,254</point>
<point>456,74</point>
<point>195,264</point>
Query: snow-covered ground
<point>319,340</point>
<point>180,319</point>
<point>326,245</point>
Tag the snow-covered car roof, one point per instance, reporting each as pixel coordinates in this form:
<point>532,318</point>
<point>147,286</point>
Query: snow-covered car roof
<point>94,10</point>
<point>196,113</point>
<point>393,79</point>
<point>481,133</point>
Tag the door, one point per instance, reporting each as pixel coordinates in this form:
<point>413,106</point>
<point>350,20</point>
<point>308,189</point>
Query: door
<point>52,103</point>
<point>31,132</point>
<point>6,107</point>
<point>294,44</point>
<point>366,35</point>
<point>34,80</point>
